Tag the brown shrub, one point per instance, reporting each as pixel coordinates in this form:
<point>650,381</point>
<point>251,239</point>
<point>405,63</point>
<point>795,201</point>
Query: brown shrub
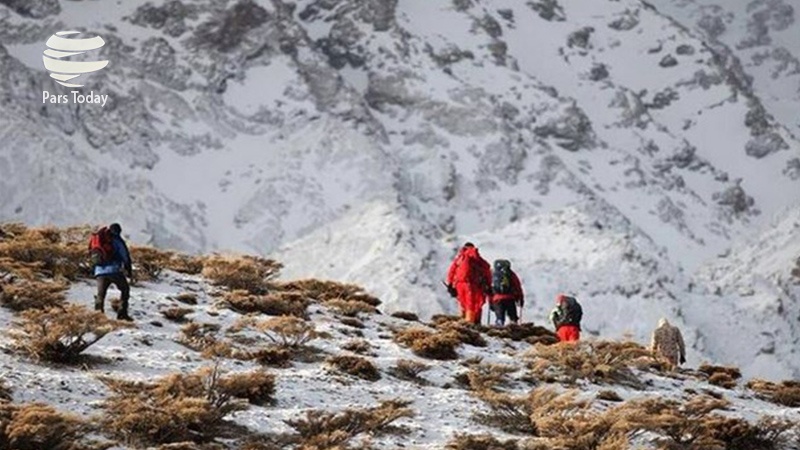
<point>523,332</point>
<point>349,308</point>
<point>150,262</point>
<point>257,387</point>
<point>53,252</point>
<point>322,291</point>
<point>273,356</point>
<point>176,314</point>
<point>37,427</point>
<point>22,294</point>
<point>11,268</point>
<point>321,430</point>
<point>355,366</point>
<point>483,377</point>
<point>406,315</point>
<point>722,379</point>
<point>440,319</point>
<point>352,322</point>
<point>287,331</point>
<point>189,298</point>
<point>732,373</point>
<point>247,273</point>
<point>409,370</point>
<point>61,334</point>
<point>272,304</point>
<point>359,346</point>
<point>199,336</point>
<point>786,393</point>
<point>177,408</point>
<point>602,361</point>
<point>480,442</point>
<point>462,332</point>
<point>428,344</point>
<point>608,395</point>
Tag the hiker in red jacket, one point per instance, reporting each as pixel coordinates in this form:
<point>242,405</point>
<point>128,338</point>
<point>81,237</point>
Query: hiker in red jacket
<point>469,278</point>
<point>507,293</point>
<point>566,318</point>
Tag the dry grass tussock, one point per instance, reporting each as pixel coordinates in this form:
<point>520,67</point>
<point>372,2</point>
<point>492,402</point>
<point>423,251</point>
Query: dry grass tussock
<point>480,442</point>
<point>288,338</point>
<point>323,291</point>
<point>349,308</point>
<point>562,420</point>
<point>527,332</point>
<point>37,427</point>
<point>428,344</point>
<point>406,315</point>
<point>200,337</point>
<point>355,366</point>
<point>462,332</point>
<point>290,303</point>
<point>409,370</point>
<point>51,252</point>
<point>597,362</point>
<point>360,346</point>
<point>179,407</point>
<point>482,377</point>
<point>721,376</point>
<point>786,393</point>
<point>61,335</point>
<point>151,262</point>
<point>248,273</point>
<point>22,294</point>
<point>176,313</point>
<point>321,430</point>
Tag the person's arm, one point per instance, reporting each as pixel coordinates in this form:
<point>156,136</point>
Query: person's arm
<point>681,346</point>
<point>124,255</point>
<point>451,272</point>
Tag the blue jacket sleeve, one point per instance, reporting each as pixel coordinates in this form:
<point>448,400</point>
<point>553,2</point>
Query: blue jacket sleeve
<point>122,252</point>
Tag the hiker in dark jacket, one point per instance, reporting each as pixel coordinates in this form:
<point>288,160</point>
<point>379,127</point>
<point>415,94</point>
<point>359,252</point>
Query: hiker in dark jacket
<point>507,293</point>
<point>566,318</point>
<point>114,271</point>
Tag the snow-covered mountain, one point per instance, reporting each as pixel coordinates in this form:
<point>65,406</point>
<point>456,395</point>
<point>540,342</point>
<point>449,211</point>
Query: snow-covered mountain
<point>640,155</point>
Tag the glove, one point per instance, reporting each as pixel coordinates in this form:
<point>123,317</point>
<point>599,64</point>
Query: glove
<point>452,291</point>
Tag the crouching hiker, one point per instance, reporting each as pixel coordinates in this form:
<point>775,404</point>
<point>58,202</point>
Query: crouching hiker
<point>566,318</point>
<point>507,293</point>
<point>667,344</point>
<point>112,263</point>
<point>469,278</point>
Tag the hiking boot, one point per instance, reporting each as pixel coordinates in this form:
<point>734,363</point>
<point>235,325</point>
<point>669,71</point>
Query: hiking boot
<point>125,317</point>
<point>99,308</point>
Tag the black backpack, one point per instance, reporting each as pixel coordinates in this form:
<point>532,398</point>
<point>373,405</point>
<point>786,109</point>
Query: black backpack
<point>573,313</point>
<point>501,277</point>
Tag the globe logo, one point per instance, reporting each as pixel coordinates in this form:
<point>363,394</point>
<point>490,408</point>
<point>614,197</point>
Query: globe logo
<point>61,46</point>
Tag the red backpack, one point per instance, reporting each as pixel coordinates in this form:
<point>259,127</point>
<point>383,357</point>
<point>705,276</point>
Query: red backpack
<point>101,246</point>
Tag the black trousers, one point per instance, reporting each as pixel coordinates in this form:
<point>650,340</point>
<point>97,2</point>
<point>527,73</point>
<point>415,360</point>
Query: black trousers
<point>505,308</point>
<point>103,283</point>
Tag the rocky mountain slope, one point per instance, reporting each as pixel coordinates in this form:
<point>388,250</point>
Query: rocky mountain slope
<point>611,149</point>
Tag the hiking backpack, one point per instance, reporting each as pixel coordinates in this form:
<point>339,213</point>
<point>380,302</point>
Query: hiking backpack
<point>501,277</point>
<point>573,313</point>
<point>101,246</point>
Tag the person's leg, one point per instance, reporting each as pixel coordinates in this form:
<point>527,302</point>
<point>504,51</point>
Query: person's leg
<point>511,310</point>
<point>499,313</point>
<point>121,283</point>
<point>103,283</point>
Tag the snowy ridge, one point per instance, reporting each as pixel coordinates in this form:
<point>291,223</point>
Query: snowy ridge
<point>365,140</point>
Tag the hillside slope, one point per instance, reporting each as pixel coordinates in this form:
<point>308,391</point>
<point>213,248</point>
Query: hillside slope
<point>435,398</point>
<point>365,140</point>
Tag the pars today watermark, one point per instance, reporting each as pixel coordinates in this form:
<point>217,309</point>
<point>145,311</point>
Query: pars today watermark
<point>59,62</point>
